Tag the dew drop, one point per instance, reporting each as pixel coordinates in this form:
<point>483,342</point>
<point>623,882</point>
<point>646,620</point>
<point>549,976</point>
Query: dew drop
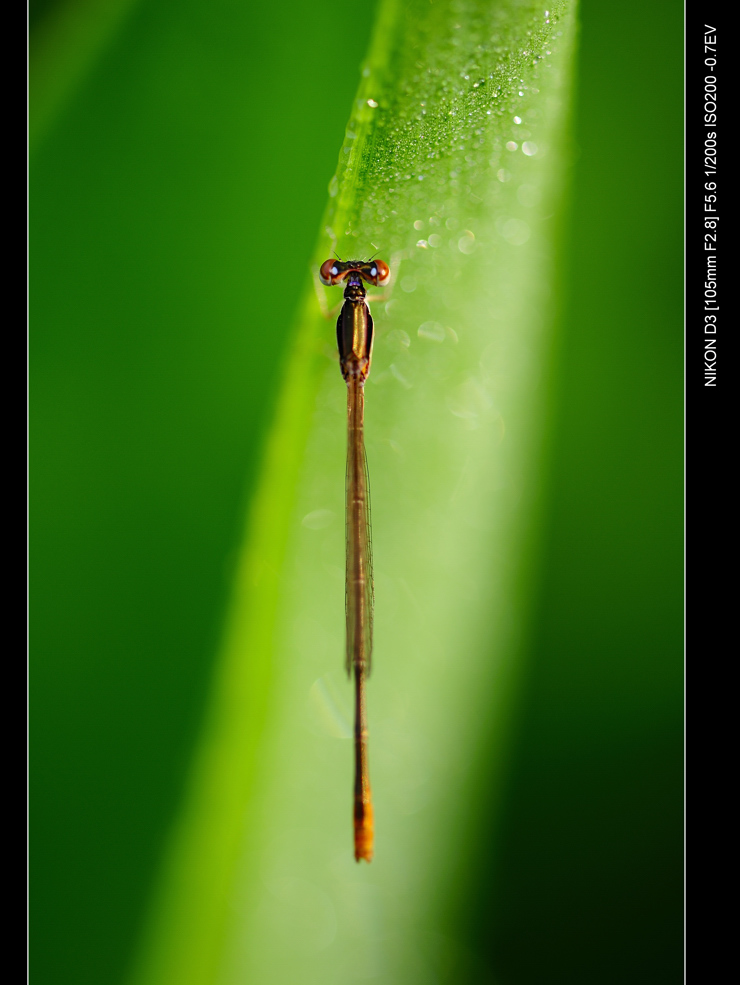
<point>431,330</point>
<point>466,243</point>
<point>397,340</point>
<point>514,231</point>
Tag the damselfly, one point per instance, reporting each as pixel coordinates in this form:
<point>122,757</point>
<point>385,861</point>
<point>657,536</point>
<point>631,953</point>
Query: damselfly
<point>355,341</point>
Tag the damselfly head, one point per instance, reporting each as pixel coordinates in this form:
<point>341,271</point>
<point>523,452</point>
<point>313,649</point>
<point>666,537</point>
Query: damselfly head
<point>375,272</point>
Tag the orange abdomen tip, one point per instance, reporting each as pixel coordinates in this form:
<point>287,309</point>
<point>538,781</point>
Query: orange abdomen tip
<point>364,831</point>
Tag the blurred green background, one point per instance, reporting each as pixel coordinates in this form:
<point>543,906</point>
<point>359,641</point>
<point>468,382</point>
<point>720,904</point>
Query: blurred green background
<point>185,129</point>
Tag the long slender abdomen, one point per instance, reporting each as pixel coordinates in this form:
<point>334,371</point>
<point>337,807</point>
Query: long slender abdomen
<point>359,603</point>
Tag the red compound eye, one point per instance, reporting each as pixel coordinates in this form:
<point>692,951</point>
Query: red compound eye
<point>332,271</point>
<point>375,272</point>
<point>384,272</point>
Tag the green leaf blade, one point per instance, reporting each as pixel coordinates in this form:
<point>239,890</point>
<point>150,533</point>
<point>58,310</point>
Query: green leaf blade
<point>454,168</point>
